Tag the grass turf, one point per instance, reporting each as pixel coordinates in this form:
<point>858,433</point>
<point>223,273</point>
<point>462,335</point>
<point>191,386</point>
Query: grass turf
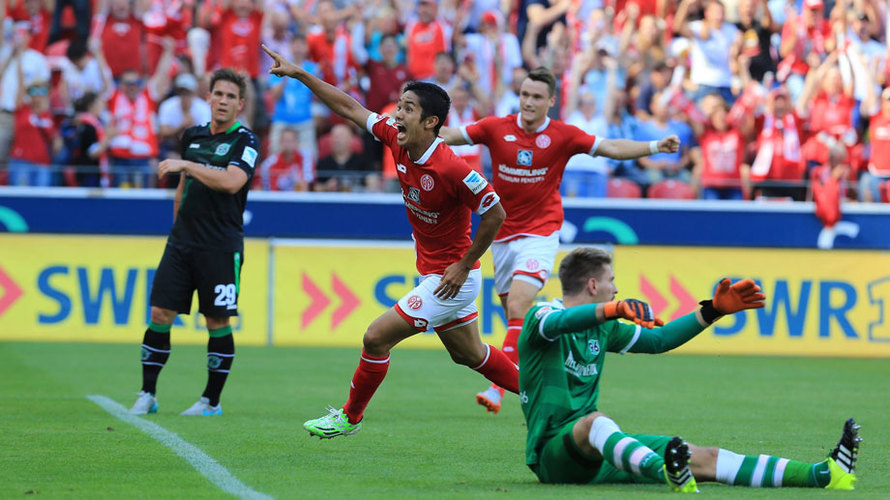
<point>423,435</point>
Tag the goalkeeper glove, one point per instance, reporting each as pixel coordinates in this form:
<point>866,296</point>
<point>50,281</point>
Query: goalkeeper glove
<point>732,298</point>
<point>632,310</point>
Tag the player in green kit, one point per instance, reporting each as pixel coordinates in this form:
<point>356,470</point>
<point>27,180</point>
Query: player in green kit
<point>561,350</point>
<point>205,249</point>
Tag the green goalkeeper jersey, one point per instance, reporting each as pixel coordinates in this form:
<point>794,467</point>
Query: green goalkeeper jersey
<point>561,355</point>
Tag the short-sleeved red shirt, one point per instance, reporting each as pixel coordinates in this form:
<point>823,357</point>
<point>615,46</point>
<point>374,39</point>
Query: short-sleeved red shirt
<point>527,169</point>
<point>440,192</point>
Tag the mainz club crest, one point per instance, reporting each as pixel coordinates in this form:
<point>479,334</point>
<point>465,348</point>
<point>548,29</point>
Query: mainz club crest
<point>415,302</point>
<point>542,141</point>
<point>426,182</point>
<point>532,264</point>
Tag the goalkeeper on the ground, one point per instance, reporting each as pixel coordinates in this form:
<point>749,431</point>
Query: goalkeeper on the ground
<point>562,348</point>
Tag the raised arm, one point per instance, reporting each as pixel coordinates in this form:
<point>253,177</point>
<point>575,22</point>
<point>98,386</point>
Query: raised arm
<point>338,101</point>
<point>626,149</point>
<point>452,136</point>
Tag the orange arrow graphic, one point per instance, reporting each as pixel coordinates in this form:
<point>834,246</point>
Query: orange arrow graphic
<point>655,299</point>
<point>687,301</point>
<point>348,301</point>
<point>11,292</point>
<point>318,304</point>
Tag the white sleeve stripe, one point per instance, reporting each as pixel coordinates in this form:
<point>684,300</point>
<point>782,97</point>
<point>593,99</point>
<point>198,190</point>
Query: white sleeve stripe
<point>463,132</point>
<point>373,118</point>
<point>596,145</point>
<point>633,341</point>
<point>541,327</point>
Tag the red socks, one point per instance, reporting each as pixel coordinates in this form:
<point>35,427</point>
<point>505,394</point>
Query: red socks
<point>498,368</point>
<point>370,373</point>
<point>514,327</point>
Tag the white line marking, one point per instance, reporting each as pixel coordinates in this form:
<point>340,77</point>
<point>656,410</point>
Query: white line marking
<point>202,462</point>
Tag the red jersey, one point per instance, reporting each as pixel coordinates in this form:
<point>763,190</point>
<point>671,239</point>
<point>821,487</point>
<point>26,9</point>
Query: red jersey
<point>423,42</point>
<point>121,45</point>
<point>33,136</point>
<point>722,155</point>
<point>38,25</point>
<point>240,41</point>
<point>334,56</point>
<point>280,173</point>
<point>527,169</point>
<point>879,130</point>
<point>440,192</point>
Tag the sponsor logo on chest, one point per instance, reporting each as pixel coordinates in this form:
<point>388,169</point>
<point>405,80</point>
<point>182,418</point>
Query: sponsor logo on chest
<point>221,150</point>
<point>579,370</point>
<point>414,194</point>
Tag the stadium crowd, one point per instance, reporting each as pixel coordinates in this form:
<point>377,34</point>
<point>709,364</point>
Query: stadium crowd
<point>771,98</point>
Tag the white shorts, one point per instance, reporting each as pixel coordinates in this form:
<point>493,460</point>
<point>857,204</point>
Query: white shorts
<point>422,309</point>
<point>529,259</point>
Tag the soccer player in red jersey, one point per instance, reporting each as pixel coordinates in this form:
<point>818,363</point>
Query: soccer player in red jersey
<point>440,191</point>
<point>529,152</point>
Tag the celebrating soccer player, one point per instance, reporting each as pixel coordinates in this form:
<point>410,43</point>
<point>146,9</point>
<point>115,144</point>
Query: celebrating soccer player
<point>440,191</point>
<point>563,345</point>
<point>529,152</point>
<point>205,250</point>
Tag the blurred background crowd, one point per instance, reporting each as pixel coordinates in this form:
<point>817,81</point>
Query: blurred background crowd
<point>769,97</point>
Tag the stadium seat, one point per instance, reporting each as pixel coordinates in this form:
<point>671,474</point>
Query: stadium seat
<point>623,188</point>
<point>672,189</point>
<point>885,191</point>
<point>324,145</point>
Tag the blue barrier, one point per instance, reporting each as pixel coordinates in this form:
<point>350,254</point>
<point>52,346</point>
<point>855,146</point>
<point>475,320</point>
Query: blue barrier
<point>382,216</point>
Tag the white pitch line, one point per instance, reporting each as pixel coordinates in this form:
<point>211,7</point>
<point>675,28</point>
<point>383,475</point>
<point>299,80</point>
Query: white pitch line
<point>202,462</point>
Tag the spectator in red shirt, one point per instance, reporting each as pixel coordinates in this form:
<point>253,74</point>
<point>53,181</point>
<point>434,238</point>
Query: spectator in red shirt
<point>123,38</point>
<point>779,165</point>
<point>719,169</point>
<point>331,47</point>
<point>427,35</point>
<point>240,31</point>
<point>37,14</point>
<point>878,170</point>
<point>830,112</point>
<point>387,76</point>
<point>806,38</point>
<point>35,140</point>
<point>285,170</point>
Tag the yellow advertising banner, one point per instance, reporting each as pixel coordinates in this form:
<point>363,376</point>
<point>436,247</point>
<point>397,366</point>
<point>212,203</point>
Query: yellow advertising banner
<point>819,303</point>
<point>96,288</point>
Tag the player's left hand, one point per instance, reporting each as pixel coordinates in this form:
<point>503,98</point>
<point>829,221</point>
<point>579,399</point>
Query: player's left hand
<point>670,144</point>
<point>452,279</point>
<point>732,298</point>
<point>170,167</point>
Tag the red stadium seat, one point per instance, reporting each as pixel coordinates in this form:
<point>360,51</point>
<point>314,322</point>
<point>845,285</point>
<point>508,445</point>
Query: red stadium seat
<point>623,188</point>
<point>672,189</point>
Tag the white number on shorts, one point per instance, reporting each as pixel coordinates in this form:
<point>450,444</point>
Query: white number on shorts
<point>225,295</point>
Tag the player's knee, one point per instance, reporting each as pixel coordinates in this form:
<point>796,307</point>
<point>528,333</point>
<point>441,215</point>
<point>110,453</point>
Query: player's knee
<point>467,355</point>
<point>162,316</point>
<point>375,342</point>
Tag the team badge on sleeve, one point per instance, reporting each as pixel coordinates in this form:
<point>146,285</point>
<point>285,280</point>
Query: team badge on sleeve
<point>249,156</point>
<point>475,182</point>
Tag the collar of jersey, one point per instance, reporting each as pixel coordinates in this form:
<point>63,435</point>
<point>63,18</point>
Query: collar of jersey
<point>231,129</point>
<point>428,152</point>
<point>540,129</point>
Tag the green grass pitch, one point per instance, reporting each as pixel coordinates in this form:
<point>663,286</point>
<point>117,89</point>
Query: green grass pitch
<point>424,436</point>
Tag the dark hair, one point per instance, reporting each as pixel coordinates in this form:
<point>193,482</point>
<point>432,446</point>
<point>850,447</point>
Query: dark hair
<point>542,74</point>
<point>434,101</point>
<point>229,75</point>
<point>580,265</point>
<point>446,55</point>
<point>76,49</point>
<point>85,102</point>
